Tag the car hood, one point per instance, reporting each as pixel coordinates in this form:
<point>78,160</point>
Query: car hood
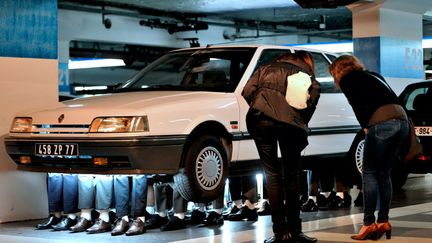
<point>84,110</point>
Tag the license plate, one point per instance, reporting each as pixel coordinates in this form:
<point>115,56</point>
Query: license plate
<point>56,149</point>
<point>423,131</point>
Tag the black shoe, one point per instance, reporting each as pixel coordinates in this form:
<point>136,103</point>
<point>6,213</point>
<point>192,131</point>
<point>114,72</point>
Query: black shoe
<point>196,217</point>
<point>174,223</point>
<point>338,202</point>
<point>155,221</point>
<point>64,224</point>
<point>309,206</point>
<point>264,209</point>
<point>322,202</point>
<point>120,227</point>
<point>282,238</point>
<point>99,226</point>
<point>231,210</point>
<point>359,200</point>
<point>137,228</point>
<point>52,220</point>
<point>81,226</point>
<point>300,237</point>
<point>244,213</point>
<point>213,218</point>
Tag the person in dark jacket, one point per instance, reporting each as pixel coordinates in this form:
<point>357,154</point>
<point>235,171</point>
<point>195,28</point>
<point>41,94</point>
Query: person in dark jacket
<point>386,127</point>
<point>271,120</point>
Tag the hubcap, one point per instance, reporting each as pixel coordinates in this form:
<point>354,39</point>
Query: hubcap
<point>209,167</point>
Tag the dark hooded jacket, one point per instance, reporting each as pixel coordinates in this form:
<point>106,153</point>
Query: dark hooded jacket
<point>265,92</point>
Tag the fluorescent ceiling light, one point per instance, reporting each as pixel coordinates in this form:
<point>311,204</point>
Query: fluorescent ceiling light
<point>95,63</point>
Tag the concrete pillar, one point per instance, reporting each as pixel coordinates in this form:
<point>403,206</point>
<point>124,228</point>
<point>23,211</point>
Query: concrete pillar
<point>387,37</point>
<point>28,80</point>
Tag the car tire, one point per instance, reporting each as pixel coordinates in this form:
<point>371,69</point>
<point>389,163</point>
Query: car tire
<point>204,172</point>
<point>356,158</point>
<point>399,175</point>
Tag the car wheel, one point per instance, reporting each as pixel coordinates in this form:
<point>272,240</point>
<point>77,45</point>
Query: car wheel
<point>356,157</point>
<point>205,170</point>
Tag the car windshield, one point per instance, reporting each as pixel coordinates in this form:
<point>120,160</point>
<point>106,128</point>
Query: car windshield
<point>211,69</point>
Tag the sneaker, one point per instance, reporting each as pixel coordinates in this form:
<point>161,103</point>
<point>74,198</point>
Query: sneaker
<point>309,206</point>
<point>174,223</point>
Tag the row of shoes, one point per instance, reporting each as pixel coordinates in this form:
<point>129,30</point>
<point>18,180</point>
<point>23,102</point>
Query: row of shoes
<point>120,226</point>
<point>333,201</point>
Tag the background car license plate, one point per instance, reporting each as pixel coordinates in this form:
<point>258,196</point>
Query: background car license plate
<point>423,131</point>
<point>57,149</point>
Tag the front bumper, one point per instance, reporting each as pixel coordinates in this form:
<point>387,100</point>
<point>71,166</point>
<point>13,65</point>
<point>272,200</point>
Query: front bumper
<point>127,155</point>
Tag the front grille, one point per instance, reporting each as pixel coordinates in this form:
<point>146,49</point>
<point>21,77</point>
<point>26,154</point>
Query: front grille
<point>60,129</point>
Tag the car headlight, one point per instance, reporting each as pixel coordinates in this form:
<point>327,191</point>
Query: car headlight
<point>120,124</point>
<point>21,124</point>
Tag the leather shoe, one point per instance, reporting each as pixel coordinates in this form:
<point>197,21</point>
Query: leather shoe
<point>174,223</point>
<point>264,209</point>
<point>244,213</point>
<point>99,226</point>
<point>120,227</point>
<point>196,217</point>
<point>155,221</point>
<point>137,228</point>
<point>232,210</point>
<point>81,226</point>
<point>279,238</point>
<point>64,224</point>
<point>367,232</point>
<point>309,206</point>
<point>213,218</point>
<point>300,237</point>
<point>52,220</point>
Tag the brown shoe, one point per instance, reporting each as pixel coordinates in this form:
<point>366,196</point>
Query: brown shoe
<point>137,228</point>
<point>120,227</point>
<point>366,232</point>
<point>81,226</point>
<point>99,226</point>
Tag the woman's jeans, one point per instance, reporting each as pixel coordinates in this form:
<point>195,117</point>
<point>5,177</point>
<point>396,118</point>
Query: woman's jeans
<point>383,145</point>
<point>282,175</point>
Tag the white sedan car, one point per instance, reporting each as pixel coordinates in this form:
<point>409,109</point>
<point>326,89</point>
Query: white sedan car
<point>182,115</point>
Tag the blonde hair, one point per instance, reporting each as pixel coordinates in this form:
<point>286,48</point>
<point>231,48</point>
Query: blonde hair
<point>343,65</point>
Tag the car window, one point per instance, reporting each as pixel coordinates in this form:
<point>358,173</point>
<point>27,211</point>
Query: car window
<point>321,68</point>
<point>217,70</point>
<point>414,100</point>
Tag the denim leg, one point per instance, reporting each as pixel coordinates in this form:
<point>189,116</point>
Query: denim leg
<point>86,192</point>
<point>70,193</point>
<point>55,192</point>
<point>386,193</point>
<point>121,194</point>
<point>104,192</point>
<point>139,195</point>
<point>163,195</point>
<point>370,196</point>
<point>179,204</point>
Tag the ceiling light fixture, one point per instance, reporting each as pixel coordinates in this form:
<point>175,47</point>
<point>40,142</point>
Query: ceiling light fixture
<point>95,63</point>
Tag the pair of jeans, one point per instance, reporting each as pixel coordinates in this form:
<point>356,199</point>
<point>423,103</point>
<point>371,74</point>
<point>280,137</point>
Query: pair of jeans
<point>243,187</point>
<point>167,197</point>
<point>384,144</point>
<point>62,191</point>
<point>95,192</point>
<point>282,176</point>
<point>134,196</point>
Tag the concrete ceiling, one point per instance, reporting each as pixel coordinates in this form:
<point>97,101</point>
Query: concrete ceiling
<point>272,15</point>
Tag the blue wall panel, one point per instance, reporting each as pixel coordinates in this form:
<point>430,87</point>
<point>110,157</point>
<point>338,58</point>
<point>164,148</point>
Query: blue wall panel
<point>28,28</point>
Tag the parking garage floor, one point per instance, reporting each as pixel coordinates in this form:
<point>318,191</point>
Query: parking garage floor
<point>411,217</point>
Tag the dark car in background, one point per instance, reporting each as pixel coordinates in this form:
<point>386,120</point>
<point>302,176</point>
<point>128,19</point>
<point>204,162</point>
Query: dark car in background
<point>417,100</point>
